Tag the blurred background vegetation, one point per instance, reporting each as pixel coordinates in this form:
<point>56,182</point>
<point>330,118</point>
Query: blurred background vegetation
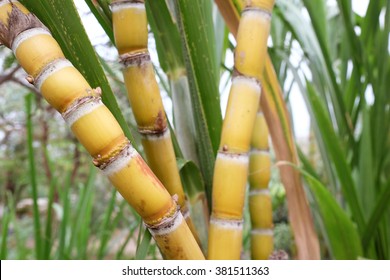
<point>332,55</point>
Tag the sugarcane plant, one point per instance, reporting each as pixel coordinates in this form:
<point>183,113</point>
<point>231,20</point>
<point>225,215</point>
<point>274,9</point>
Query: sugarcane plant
<point>200,159</point>
<point>96,128</point>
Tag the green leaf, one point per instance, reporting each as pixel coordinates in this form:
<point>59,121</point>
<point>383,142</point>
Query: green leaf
<point>167,36</point>
<point>313,42</point>
<point>196,29</point>
<point>191,178</point>
<point>341,234</point>
<point>379,212</point>
<point>4,234</point>
<point>104,21</point>
<point>143,247</point>
<point>63,20</point>
<point>337,155</point>
<point>33,176</point>
<point>366,185</point>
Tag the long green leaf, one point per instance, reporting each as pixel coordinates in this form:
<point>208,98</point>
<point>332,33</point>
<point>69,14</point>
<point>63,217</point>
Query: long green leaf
<point>337,155</point>
<point>316,50</point>
<point>379,212</point>
<point>4,234</point>
<point>366,183</point>
<point>195,24</point>
<point>33,176</point>
<point>142,249</point>
<point>343,238</point>
<point>167,36</point>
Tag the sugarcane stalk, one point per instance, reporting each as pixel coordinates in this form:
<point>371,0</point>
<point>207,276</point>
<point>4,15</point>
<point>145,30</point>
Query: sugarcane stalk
<point>260,206</point>
<point>95,127</point>
<point>276,114</point>
<point>231,166</point>
<point>131,37</point>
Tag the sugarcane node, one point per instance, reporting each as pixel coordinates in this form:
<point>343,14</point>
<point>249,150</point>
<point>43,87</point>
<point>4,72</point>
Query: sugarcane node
<point>77,103</point>
<point>102,162</point>
<point>134,58</point>
<point>235,72</point>
<point>17,23</point>
<point>119,2</point>
<point>238,74</point>
<point>263,12</point>
<point>30,79</point>
<point>226,223</point>
<point>154,133</point>
<point>233,155</point>
<point>166,223</point>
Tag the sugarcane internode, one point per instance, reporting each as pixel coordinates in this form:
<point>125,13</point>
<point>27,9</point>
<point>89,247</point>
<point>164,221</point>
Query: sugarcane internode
<point>96,128</point>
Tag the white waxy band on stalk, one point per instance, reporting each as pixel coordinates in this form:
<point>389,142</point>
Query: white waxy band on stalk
<point>262,231</point>
<point>260,114</point>
<point>241,158</point>
<point>155,136</point>
<point>253,83</point>
<point>27,34</point>
<point>259,192</point>
<point>227,224</point>
<point>259,152</point>
<point>80,110</point>
<point>117,7</point>
<point>168,225</point>
<point>120,161</point>
<point>256,13</point>
<point>50,69</point>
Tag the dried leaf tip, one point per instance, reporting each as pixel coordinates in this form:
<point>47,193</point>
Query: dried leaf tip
<point>17,23</point>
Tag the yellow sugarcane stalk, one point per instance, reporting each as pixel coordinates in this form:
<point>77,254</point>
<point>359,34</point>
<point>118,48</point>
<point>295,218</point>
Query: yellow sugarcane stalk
<point>131,37</point>
<point>96,128</point>
<point>275,112</point>
<point>231,166</point>
<point>260,205</point>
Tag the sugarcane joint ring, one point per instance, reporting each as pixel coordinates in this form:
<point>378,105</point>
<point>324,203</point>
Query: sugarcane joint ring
<point>50,69</point>
<point>267,14</point>
<point>227,223</point>
<point>101,162</point>
<point>159,132</point>
<point>120,2</point>
<point>135,58</point>
<point>123,152</point>
<point>70,114</point>
<point>237,74</point>
<point>167,223</point>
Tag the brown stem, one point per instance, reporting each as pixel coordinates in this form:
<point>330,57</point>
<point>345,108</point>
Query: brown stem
<point>9,76</point>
